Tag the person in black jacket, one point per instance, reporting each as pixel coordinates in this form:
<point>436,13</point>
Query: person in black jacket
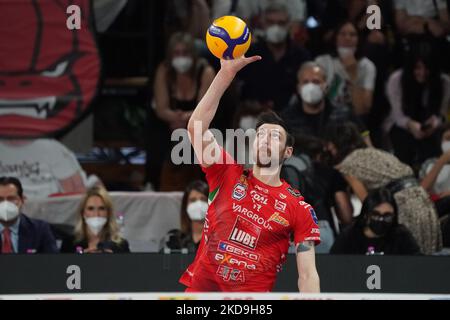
<point>96,230</point>
<point>19,233</point>
<point>376,230</point>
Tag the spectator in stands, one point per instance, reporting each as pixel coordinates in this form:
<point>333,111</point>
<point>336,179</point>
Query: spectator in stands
<point>419,95</point>
<point>435,172</point>
<point>366,169</point>
<point>96,230</point>
<point>419,17</point>
<point>44,166</point>
<point>281,60</point>
<point>19,233</point>
<point>193,213</point>
<point>181,81</point>
<point>321,185</point>
<point>191,16</point>
<point>310,110</point>
<point>376,230</point>
<point>435,177</point>
<point>250,11</point>
<point>350,76</point>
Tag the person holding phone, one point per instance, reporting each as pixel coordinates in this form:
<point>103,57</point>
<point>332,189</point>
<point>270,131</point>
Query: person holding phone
<point>419,95</point>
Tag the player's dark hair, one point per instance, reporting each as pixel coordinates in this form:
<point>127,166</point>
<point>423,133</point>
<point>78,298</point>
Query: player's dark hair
<point>271,117</point>
<point>4,181</point>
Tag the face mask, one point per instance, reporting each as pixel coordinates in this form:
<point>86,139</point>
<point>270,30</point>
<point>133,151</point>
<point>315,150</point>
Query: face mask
<point>311,93</point>
<point>344,52</point>
<point>182,64</point>
<point>197,210</point>
<point>445,146</point>
<point>247,122</point>
<point>8,211</point>
<point>95,224</point>
<point>276,34</point>
<point>379,227</point>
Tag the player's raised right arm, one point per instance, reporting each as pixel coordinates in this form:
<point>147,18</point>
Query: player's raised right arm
<point>203,114</point>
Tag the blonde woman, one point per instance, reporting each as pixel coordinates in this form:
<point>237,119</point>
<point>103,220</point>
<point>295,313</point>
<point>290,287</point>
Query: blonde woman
<point>96,229</point>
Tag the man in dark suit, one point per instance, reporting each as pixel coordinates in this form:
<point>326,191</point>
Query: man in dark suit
<point>19,233</point>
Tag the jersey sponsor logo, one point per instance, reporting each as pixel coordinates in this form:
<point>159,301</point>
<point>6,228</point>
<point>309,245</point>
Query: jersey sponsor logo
<point>227,274</point>
<point>315,230</point>
<point>245,233</point>
<point>252,216</point>
<point>294,192</point>
<point>228,259</point>
<point>239,191</point>
<point>282,196</point>
<point>261,189</point>
<point>277,218</point>
<point>226,247</point>
<point>313,215</point>
<point>280,205</point>
<point>258,198</point>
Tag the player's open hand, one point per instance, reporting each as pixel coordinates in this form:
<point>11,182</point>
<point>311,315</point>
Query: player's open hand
<point>231,67</point>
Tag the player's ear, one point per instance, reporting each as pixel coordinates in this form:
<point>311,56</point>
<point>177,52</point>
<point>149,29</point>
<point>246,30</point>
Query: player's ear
<point>288,152</point>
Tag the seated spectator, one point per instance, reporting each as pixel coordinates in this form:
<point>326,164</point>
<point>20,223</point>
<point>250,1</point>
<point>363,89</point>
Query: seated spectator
<point>19,233</point>
<point>350,76</point>
<point>192,17</point>
<point>96,230</point>
<point>181,81</point>
<point>435,172</point>
<point>419,95</point>
<point>321,185</point>
<point>366,169</point>
<point>280,59</point>
<point>250,11</point>
<point>193,213</point>
<point>376,230</point>
<point>44,167</point>
<point>310,110</point>
<point>435,177</point>
<point>419,17</point>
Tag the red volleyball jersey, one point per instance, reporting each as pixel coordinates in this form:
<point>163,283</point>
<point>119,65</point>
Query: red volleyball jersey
<point>247,231</point>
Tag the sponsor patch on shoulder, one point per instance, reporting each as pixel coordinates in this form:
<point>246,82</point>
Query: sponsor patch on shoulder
<point>294,192</point>
<point>313,215</point>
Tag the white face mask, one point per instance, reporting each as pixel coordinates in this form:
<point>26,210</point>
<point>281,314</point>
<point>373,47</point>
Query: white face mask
<point>95,224</point>
<point>197,210</point>
<point>311,93</point>
<point>344,52</point>
<point>276,34</point>
<point>247,122</point>
<point>445,146</point>
<point>182,64</point>
<point>8,211</point>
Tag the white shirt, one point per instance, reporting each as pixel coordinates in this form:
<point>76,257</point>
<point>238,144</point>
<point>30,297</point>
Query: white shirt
<point>39,165</point>
<point>421,8</point>
<point>338,79</point>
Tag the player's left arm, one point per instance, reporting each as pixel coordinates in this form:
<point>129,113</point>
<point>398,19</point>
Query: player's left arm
<point>308,278</point>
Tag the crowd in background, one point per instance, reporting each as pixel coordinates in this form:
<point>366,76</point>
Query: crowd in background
<point>368,109</point>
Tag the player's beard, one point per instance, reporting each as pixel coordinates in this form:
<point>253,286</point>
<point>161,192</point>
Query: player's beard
<point>264,159</point>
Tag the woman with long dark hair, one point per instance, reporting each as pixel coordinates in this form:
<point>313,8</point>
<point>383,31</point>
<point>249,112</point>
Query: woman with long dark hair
<point>419,95</point>
<point>192,218</point>
<point>376,230</point>
<point>366,169</point>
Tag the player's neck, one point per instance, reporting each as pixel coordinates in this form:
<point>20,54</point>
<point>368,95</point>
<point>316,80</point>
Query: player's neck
<point>268,176</point>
